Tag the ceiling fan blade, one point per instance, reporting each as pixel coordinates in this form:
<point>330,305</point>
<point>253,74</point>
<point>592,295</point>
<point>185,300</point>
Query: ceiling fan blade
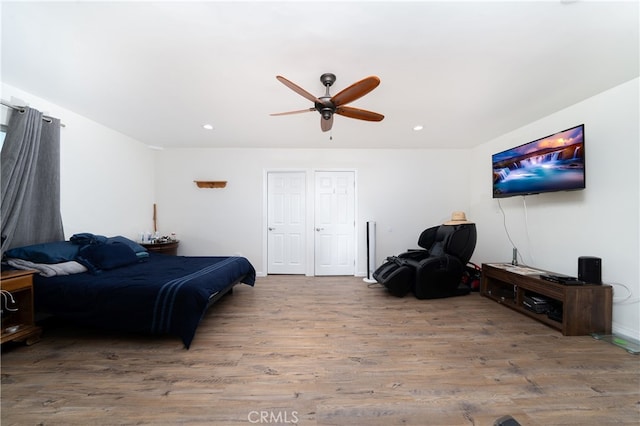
<point>299,90</point>
<point>360,114</point>
<point>355,91</point>
<point>326,125</point>
<point>293,112</point>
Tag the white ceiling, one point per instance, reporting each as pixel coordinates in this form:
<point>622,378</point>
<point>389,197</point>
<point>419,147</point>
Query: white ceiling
<point>468,72</point>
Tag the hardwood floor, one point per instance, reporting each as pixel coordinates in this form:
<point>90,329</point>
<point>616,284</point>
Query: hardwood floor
<point>327,351</point>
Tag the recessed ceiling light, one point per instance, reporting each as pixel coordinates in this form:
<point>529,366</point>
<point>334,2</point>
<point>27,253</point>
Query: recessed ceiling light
<point>418,128</point>
<point>208,126</point>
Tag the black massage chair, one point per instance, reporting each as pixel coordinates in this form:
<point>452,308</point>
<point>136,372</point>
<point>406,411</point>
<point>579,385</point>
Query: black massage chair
<point>436,271</point>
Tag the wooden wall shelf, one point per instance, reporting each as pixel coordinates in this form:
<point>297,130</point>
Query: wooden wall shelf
<point>211,183</point>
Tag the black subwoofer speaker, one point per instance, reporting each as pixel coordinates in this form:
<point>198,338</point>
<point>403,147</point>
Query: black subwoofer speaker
<point>590,269</point>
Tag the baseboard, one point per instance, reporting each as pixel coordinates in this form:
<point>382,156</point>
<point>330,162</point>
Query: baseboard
<point>625,331</point>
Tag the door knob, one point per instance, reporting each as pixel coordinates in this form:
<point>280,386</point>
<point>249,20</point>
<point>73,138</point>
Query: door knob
<point>319,229</point>
<point>271,229</point>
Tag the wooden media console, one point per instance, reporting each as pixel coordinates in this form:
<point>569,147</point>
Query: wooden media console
<point>578,309</point>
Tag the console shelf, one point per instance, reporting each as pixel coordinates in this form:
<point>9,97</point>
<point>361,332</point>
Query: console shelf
<point>585,309</point>
<point>18,323</point>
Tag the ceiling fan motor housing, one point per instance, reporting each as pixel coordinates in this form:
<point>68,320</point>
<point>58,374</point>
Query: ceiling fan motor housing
<point>326,108</point>
<point>326,111</point>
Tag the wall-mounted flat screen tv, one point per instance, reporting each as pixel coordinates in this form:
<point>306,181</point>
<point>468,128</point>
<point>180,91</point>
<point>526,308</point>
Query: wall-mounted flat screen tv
<point>552,163</point>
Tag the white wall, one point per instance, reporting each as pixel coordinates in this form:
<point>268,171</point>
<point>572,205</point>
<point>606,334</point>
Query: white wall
<point>404,191</point>
<point>108,183</point>
<point>553,230</point>
<point>106,178</point>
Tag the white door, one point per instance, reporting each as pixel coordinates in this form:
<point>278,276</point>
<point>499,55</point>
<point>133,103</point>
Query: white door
<point>334,223</point>
<point>286,222</point>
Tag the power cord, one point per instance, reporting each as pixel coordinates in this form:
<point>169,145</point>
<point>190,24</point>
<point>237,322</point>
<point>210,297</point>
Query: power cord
<point>506,230</point>
<point>6,296</point>
<point>626,300</point>
<point>526,228</point>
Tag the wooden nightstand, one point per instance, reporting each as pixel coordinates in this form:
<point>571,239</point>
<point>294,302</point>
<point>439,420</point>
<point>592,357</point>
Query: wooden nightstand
<point>19,325</point>
<point>166,248</point>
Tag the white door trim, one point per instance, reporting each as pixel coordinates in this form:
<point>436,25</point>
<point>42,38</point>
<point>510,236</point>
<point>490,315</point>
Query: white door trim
<point>265,215</point>
<point>310,210</point>
<point>286,222</point>
<point>312,197</point>
<point>338,254</point>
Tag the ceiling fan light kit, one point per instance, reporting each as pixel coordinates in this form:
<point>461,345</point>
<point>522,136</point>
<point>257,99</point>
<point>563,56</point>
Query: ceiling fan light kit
<point>328,105</point>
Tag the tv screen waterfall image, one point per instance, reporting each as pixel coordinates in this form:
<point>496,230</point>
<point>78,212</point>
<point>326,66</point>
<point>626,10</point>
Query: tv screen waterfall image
<point>553,163</point>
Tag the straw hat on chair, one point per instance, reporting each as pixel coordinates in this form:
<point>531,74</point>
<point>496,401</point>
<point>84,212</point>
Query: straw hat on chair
<point>457,218</point>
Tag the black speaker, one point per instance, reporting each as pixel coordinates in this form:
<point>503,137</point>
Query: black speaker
<point>590,269</point>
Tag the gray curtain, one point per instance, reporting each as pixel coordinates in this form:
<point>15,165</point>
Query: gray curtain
<point>30,168</point>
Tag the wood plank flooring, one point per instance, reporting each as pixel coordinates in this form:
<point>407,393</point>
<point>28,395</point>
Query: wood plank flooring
<point>326,351</point>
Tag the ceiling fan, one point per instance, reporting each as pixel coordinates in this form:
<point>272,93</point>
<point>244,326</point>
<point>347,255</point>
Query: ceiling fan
<point>328,105</point>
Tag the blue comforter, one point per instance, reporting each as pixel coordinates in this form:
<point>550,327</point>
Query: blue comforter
<point>163,295</point>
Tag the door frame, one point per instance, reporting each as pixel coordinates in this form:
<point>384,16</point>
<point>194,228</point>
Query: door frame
<point>287,226</point>
<point>348,268</point>
<point>310,180</point>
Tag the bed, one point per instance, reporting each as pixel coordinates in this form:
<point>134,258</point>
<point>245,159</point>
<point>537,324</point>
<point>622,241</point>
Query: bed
<point>152,293</point>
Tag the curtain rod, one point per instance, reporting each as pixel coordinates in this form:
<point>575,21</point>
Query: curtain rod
<point>46,118</point>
